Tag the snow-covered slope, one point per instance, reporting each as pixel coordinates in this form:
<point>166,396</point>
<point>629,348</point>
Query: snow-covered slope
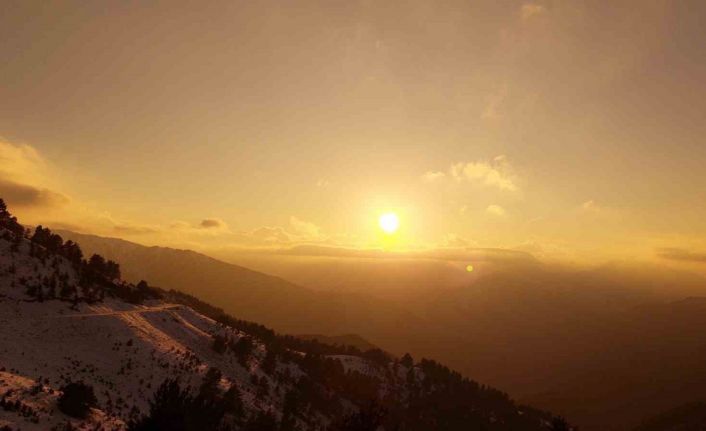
<point>125,351</point>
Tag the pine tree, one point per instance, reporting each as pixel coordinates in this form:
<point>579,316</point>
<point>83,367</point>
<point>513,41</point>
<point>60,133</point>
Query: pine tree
<point>219,344</point>
<point>233,402</point>
<point>209,385</point>
<point>242,350</point>
<point>77,399</point>
<point>269,363</point>
<point>263,421</point>
<point>559,424</point>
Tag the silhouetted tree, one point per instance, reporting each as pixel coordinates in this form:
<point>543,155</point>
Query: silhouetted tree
<point>66,290</point>
<point>174,408</point>
<point>112,271</point>
<point>209,385</point>
<point>559,424</point>
<point>269,363</point>
<point>233,402</point>
<point>366,419</point>
<point>407,360</point>
<point>219,343</point>
<point>72,252</point>
<point>77,399</point>
<point>242,349</point>
<point>262,421</point>
<point>292,405</point>
<point>97,264</point>
<point>10,223</point>
<point>169,409</point>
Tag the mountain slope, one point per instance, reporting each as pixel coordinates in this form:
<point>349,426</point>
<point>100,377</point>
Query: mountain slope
<point>344,340</point>
<point>68,322</point>
<point>256,296</point>
<point>624,335</point>
<point>687,417</point>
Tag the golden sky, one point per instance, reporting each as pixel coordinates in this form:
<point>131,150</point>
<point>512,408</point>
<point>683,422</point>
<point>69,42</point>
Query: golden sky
<point>567,129</point>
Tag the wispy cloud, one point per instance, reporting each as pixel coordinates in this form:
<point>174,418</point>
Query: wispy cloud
<point>267,236</point>
<point>130,229</point>
<point>596,209</point>
<point>683,255</point>
<point>23,178</point>
<point>496,210</point>
<point>304,229</point>
<point>454,241</point>
<point>24,195</point>
<point>432,176</point>
<point>453,254</point>
<point>590,206</point>
<point>494,173</point>
<point>529,10</point>
<point>213,223</point>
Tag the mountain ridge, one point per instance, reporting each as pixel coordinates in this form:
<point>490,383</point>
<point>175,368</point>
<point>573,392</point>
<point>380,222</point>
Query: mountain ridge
<point>526,329</point>
<point>257,296</point>
<point>131,355</point>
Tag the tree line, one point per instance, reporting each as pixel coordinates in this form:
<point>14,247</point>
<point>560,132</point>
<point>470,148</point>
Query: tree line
<point>96,276</point>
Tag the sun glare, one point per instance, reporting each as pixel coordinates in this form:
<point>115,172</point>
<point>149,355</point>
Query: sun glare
<point>389,223</point>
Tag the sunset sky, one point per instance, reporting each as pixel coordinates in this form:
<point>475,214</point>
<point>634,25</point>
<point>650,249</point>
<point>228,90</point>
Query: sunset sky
<point>570,130</point>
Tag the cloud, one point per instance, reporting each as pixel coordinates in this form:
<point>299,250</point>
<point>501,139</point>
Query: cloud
<point>23,178</point>
<point>213,223</point>
<point>23,195</point>
<point>529,10</point>
<point>453,240</point>
<point>431,176</point>
<point>590,206</point>
<point>456,254</point>
<point>496,173</point>
<point>21,162</point>
<point>209,227</point>
<point>129,229</point>
<point>268,235</point>
<point>597,210</point>
<point>493,173</point>
<point>682,255</point>
<point>496,210</point>
<point>304,229</point>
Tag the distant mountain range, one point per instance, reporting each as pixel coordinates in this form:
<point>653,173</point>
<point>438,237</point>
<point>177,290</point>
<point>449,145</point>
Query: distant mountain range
<point>606,347</point>
<point>256,296</point>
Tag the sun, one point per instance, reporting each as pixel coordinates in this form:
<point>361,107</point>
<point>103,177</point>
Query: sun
<point>389,223</point>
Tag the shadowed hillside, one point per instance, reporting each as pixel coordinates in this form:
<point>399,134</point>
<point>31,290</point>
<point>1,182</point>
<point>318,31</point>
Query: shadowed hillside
<point>256,296</point>
<point>344,340</point>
